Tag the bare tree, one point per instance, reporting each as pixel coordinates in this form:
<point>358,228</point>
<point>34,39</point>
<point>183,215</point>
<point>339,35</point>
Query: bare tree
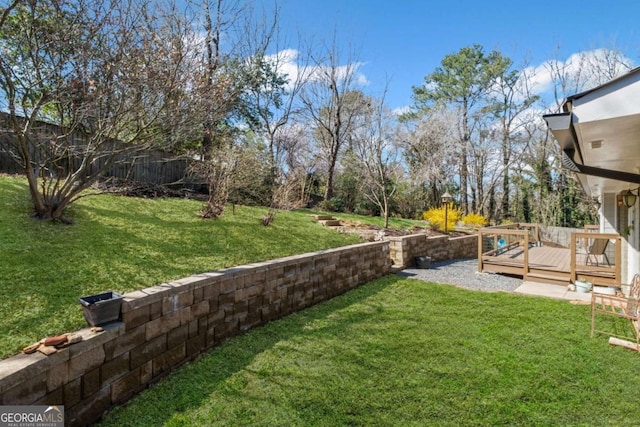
<point>376,143</point>
<point>84,83</point>
<point>238,84</point>
<point>330,100</point>
<point>429,149</point>
<point>271,96</point>
<point>512,98</point>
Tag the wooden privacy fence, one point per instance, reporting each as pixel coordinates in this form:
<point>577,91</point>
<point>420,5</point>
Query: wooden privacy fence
<point>150,166</point>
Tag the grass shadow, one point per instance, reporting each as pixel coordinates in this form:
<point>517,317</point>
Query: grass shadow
<point>403,352</point>
<point>191,386</point>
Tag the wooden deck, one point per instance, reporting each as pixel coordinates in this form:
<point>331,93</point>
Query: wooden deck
<point>517,249</point>
<point>546,264</point>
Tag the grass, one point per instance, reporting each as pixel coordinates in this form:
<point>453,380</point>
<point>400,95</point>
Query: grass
<point>124,244</point>
<point>404,352</point>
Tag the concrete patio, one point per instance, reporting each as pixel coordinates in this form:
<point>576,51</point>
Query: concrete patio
<point>552,291</point>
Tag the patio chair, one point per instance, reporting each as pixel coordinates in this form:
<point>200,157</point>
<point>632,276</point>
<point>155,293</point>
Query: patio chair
<point>596,251</point>
<point>619,306</point>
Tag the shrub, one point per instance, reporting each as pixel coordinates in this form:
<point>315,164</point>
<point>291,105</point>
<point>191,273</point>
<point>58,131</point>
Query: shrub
<point>435,216</point>
<point>334,204</point>
<point>475,219</point>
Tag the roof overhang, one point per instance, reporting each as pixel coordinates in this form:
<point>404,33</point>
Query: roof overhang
<point>599,134</point>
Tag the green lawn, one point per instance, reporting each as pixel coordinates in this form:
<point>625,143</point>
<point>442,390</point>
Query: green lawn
<point>124,244</point>
<point>404,352</point>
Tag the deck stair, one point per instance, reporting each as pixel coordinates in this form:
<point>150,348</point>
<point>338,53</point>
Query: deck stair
<point>554,278</point>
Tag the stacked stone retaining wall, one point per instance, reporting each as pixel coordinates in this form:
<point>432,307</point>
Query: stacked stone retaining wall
<point>167,325</point>
<point>404,249</point>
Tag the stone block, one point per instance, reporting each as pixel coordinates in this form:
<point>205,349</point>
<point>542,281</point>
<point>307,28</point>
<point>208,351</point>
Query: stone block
<point>194,328</point>
<point>162,325</point>
<point>240,308</point>
<point>216,318</point>
<point>226,299</point>
<point>21,367</point>
<point>148,351</point>
<point>173,320</point>
<point>146,373</point>
<point>155,310</point>
<point>250,321</point>
<point>198,295</point>
<point>123,343</point>
<point>185,299</point>
<point>186,315</point>
<point>177,336</point>
<point>257,278</point>
<point>55,397</point>
<point>114,369</point>
<point>85,362</point>
<point>134,318</point>
<point>290,270</point>
<point>57,376</point>
<point>28,391</point>
<point>228,285</point>
<point>90,383</point>
<point>270,312</point>
<point>169,359</point>
<point>210,337</point>
<point>88,411</point>
<point>196,345</point>
<point>226,330</point>
<point>72,392</point>
<point>203,324</point>
<point>211,291</point>
<point>125,387</point>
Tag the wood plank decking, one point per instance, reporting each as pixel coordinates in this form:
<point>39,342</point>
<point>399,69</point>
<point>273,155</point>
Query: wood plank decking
<point>546,264</point>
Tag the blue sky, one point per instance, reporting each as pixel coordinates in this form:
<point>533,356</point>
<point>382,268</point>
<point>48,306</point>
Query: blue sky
<point>406,39</point>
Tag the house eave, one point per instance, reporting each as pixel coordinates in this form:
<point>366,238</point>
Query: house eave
<point>562,127</point>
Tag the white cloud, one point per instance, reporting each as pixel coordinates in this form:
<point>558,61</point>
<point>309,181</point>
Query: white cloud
<point>580,71</point>
<point>287,62</point>
<point>401,110</point>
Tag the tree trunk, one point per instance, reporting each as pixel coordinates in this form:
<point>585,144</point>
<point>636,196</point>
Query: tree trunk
<point>505,177</point>
<point>328,191</point>
<point>464,180</point>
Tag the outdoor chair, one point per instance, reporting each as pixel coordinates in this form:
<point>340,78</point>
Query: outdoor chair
<point>597,251</point>
<point>619,306</point>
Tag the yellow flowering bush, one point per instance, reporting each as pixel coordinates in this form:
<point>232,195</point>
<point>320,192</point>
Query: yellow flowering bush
<point>475,220</point>
<point>435,217</point>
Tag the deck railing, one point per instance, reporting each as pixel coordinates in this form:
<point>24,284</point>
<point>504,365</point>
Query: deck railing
<point>495,240</point>
<point>596,255</point>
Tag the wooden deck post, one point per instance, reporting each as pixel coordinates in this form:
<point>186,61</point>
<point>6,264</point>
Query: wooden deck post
<point>480,240</point>
<point>526,256</point>
<point>572,266</point>
<point>618,264</point>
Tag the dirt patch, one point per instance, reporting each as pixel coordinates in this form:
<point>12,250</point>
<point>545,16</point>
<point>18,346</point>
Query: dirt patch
<point>372,232</point>
<point>128,188</point>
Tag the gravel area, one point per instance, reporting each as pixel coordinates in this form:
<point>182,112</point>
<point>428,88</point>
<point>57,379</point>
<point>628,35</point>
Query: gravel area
<point>463,273</point>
